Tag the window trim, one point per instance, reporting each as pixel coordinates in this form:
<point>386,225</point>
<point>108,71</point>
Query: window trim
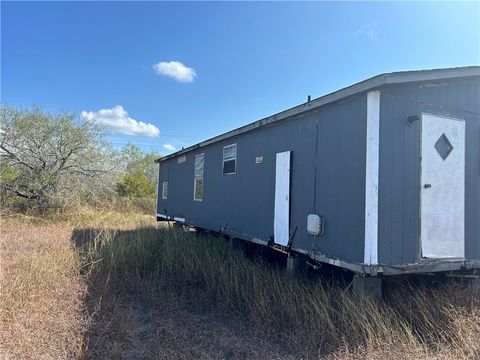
<point>195,188</point>
<point>165,190</point>
<point>229,159</point>
<point>198,177</point>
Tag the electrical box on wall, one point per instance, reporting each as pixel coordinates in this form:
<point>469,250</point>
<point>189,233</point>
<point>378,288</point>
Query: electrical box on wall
<point>315,224</point>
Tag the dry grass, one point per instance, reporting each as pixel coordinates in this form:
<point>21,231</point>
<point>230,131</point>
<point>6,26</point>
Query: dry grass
<point>111,285</point>
<point>119,215</point>
<point>42,291</point>
<point>300,317</point>
<point>42,296</point>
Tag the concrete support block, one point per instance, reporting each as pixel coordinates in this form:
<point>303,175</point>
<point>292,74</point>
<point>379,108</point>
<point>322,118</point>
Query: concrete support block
<point>237,244</point>
<point>295,265</point>
<point>178,226</point>
<point>199,231</point>
<point>367,286</point>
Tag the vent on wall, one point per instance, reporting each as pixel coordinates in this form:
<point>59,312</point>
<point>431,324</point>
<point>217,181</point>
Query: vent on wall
<point>181,159</point>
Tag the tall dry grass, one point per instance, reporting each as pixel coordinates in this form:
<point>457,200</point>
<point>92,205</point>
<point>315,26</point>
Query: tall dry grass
<point>42,292</point>
<point>41,298</point>
<point>103,284</point>
<point>311,318</point>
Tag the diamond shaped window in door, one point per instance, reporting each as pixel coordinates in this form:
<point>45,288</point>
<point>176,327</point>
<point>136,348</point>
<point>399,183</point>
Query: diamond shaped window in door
<point>443,146</point>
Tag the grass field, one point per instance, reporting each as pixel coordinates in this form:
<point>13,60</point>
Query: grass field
<point>86,287</point>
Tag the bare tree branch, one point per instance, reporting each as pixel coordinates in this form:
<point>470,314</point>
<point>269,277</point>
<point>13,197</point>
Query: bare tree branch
<point>47,158</point>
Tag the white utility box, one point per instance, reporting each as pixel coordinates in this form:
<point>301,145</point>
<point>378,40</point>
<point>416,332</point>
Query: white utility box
<point>315,224</point>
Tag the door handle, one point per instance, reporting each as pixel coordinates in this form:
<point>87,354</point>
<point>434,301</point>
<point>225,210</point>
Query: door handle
<point>427,186</point>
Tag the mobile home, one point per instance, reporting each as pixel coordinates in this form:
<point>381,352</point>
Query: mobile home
<point>381,177</point>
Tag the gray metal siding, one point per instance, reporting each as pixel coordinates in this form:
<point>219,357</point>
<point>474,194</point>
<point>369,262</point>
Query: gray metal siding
<point>399,182</point>
<point>328,174</point>
<point>340,190</point>
<point>243,203</point>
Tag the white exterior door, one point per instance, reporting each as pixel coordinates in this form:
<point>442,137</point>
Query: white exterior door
<point>281,221</point>
<point>442,187</point>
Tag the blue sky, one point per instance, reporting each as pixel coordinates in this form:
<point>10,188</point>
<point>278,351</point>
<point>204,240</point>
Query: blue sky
<point>176,73</point>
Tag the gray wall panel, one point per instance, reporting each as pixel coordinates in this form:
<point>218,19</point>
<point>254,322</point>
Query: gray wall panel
<point>244,202</point>
<point>335,188</point>
<point>340,193</point>
<point>399,186</point>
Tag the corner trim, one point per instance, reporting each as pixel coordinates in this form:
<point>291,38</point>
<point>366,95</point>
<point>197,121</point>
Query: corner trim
<point>371,178</point>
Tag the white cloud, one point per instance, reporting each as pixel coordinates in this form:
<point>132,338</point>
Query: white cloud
<point>371,31</point>
<point>176,70</point>
<point>169,147</point>
<point>117,121</point>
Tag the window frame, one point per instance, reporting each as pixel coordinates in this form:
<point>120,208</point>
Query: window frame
<point>165,190</point>
<point>195,177</point>
<point>224,160</point>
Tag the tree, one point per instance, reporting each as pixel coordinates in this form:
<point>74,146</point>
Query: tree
<point>50,159</point>
<point>135,184</point>
<point>140,172</point>
<point>136,160</point>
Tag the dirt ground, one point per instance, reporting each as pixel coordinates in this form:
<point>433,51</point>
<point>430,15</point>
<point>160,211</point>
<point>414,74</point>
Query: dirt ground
<point>50,310</point>
<point>176,330</point>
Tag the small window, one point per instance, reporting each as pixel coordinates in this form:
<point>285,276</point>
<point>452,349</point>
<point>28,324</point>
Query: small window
<point>198,178</point>
<point>443,146</point>
<point>165,190</point>
<point>229,159</point>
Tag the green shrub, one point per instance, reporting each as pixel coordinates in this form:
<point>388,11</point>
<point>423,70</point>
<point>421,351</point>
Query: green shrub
<point>135,184</point>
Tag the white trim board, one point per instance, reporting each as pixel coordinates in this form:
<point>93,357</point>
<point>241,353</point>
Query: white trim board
<point>281,220</point>
<point>371,178</point>
<point>174,218</point>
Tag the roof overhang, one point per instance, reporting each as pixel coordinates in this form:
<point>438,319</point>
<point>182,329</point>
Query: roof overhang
<point>366,85</point>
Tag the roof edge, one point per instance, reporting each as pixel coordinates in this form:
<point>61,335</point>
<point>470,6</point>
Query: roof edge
<point>398,77</point>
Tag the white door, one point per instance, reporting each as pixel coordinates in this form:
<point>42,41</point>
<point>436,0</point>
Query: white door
<point>442,187</point>
<point>281,221</point>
